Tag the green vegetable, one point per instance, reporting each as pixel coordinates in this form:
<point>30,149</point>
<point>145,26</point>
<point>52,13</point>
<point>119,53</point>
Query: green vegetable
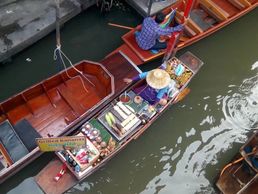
<point>111,116</point>
<point>108,119</point>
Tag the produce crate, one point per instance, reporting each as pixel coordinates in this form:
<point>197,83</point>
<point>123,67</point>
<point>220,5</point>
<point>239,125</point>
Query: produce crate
<point>129,116</point>
<point>94,155</point>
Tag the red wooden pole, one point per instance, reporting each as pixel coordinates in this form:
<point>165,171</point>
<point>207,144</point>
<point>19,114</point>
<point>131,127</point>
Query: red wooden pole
<point>175,36</point>
<point>188,8</point>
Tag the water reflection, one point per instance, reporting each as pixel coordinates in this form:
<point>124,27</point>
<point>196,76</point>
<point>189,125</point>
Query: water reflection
<point>184,171</point>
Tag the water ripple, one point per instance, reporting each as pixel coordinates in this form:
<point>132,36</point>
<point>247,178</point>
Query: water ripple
<point>241,109</point>
<point>185,172</point>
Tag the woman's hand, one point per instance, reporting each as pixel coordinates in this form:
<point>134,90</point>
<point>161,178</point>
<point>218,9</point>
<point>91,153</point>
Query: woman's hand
<point>163,102</point>
<point>128,80</point>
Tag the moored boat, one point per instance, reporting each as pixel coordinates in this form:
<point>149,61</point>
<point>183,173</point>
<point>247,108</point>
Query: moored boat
<point>241,175</point>
<point>56,107</point>
<point>112,129</point>
<point>206,17</point>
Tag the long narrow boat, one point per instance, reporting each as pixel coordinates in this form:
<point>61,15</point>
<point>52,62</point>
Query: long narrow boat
<point>241,175</point>
<point>206,17</point>
<point>130,112</point>
<point>56,107</point>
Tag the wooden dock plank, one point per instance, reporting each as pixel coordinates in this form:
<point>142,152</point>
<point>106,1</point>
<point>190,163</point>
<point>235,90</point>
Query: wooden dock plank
<point>49,185</point>
<point>213,9</point>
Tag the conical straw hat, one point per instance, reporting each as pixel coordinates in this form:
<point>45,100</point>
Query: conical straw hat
<point>158,79</point>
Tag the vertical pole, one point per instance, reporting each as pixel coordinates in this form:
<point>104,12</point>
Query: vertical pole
<point>171,48</point>
<point>149,7</point>
<point>58,41</point>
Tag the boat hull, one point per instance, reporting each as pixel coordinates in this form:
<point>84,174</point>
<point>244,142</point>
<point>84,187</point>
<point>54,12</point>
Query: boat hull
<point>45,180</point>
<point>109,87</point>
<point>241,176</point>
<point>196,28</point>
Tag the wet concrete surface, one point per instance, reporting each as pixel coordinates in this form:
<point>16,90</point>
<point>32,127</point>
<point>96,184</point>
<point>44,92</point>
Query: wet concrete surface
<point>23,22</point>
<point>142,5</point>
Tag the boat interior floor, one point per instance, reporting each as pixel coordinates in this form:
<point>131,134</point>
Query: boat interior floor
<point>51,111</point>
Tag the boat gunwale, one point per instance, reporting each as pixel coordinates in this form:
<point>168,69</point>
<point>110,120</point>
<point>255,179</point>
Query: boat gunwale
<point>192,40</point>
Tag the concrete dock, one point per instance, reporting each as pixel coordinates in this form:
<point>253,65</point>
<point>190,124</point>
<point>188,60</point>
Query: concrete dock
<point>23,22</point>
<point>142,5</point>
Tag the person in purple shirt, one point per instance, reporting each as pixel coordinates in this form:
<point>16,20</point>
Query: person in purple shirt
<point>148,37</point>
<point>157,86</point>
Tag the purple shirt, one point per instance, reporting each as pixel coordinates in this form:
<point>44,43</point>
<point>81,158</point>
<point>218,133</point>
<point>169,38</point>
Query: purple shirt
<point>148,93</point>
<point>151,31</point>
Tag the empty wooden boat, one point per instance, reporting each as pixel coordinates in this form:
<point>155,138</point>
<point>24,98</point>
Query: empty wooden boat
<point>241,175</point>
<point>206,17</point>
<point>55,107</point>
<point>131,113</point>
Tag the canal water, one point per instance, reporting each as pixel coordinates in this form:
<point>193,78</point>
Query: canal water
<point>185,149</point>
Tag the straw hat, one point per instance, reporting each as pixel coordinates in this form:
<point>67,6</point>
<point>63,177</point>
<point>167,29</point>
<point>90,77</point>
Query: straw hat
<point>158,79</point>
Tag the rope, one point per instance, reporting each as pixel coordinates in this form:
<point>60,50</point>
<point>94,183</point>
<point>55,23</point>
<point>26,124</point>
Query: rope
<point>58,48</point>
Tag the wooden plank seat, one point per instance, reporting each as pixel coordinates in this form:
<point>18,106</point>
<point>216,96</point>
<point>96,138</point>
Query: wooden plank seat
<point>48,116</point>
<point>240,4</point>
<point>214,10</point>
<point>202,19</point>
<point>190,27</point>
<point>70,100</point>
<point>18,113</point>
<point>252,1</point>
<point>11,142</point>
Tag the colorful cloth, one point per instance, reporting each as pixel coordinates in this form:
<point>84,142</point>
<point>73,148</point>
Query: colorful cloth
<point>148,93</point>
<point>168,19</point>
<point>151,31</point>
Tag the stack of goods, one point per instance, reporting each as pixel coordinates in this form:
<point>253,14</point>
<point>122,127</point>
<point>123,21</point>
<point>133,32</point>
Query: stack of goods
<point>82,158</point>
<point>100,138</point>
<point>178,71</point>
<point>120,120</point>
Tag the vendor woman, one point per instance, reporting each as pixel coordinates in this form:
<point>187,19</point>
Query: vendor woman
<point>157,86</point>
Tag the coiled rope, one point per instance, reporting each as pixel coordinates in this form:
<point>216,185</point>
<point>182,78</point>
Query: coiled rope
<point>62,54</point>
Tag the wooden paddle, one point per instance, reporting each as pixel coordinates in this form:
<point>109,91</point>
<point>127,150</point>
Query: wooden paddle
<point>182,95</point>
<point>120,26</point>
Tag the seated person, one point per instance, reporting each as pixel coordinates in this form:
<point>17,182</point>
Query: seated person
<point>156,89</point>
<point>148,37</point>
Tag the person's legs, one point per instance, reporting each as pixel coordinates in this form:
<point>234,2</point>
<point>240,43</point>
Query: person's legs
<point>159,45</point>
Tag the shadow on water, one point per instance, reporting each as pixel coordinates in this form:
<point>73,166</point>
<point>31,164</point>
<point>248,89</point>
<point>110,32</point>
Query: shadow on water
<point>183,151</point>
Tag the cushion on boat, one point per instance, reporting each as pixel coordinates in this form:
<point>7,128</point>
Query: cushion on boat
<point>11,141</point>
<point>27,134</point>
<point>1,166</point>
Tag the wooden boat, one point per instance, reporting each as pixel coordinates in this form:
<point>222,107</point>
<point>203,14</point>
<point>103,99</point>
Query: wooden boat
<point>131,113</point>
<point>241,175</point>
<point>57,106</point>
<point>206,17</point>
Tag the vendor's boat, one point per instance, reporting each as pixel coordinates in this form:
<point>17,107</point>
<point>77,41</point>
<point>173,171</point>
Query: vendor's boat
<point>206,17</point>
<point>113,128</point>
<point>57,106</point>
<point>241,175</point>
